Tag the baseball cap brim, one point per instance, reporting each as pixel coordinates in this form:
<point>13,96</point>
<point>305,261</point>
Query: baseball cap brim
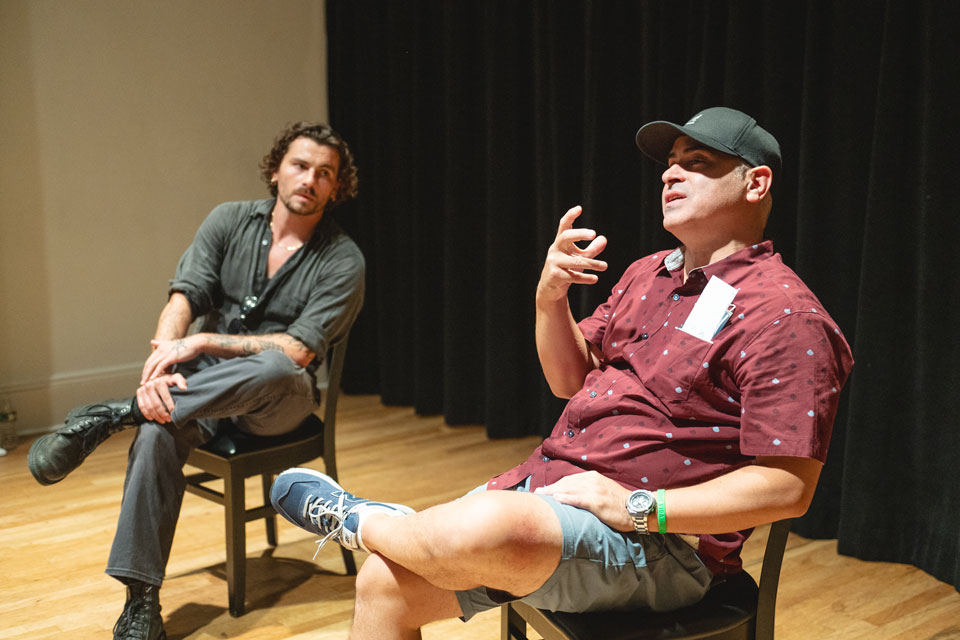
<point>655,140</point>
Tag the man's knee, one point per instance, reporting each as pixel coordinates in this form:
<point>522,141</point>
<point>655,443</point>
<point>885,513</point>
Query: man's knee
<point>374,580</point>
<point>274,365</point>
<point>164,443</point>
<point>153,438</point>
<point>379,591</point>
<point>519,524</point>
<point>390,595</point>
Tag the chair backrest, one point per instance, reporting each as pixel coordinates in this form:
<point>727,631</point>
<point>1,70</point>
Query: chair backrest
<point>331,395</point>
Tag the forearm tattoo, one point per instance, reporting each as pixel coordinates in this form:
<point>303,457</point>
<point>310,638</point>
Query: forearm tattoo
<point>251,345</point>
<point>178,346</point>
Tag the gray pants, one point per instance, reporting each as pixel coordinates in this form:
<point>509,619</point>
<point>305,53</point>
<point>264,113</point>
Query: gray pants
<point>266,394</point>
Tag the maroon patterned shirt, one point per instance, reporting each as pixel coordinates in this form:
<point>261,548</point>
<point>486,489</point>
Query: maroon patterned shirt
<point>666,409</point>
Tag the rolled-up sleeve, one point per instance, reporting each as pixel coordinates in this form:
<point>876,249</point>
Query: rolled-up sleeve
<point>334,301</point>
<point>198,272</point>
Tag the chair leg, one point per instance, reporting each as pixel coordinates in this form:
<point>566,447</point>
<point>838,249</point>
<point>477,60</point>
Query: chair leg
<point>235,512</point>
<point>271,521</point>
<point>512,624</point>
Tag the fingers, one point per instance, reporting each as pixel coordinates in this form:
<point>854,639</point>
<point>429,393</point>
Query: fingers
<point>584,481</point>
<point>565,245</point>
<point>148,368</point>
<point>574,493</point>
<point>155,400</point>
<point>600,495</point>
<point>166,353</point>
<point>566,262</point>
<point>150,404</point>
<point>594,248</point>
<point>566,222</point>
<point>156,363</point>
<point>579,259</point>
<point>179,380</point>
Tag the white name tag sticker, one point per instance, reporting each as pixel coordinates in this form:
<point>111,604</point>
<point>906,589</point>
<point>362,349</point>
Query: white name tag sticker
<point>711,310</point>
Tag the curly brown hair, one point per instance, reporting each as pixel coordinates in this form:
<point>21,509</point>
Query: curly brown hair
<point>321,134</point>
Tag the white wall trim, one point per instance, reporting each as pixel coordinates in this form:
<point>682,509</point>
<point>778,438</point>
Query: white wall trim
<point>72,377</point>
<point>42,403</point>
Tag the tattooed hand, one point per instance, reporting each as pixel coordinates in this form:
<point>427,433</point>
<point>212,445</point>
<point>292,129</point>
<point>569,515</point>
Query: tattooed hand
<point>167,353</point>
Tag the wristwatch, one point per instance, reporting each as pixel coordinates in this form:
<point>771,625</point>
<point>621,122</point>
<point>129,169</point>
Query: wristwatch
<point>640,504</point>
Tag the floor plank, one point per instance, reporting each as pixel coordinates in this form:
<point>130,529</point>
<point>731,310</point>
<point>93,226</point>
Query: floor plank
<point>54,543</point>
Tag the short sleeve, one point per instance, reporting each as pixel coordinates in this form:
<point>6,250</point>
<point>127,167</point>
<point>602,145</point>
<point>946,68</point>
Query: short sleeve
<point>594,326</point>
<point>790,377</point>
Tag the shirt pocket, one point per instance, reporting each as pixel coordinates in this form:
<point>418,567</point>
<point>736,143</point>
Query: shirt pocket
<point>286,305</point>
<point>674,366</point>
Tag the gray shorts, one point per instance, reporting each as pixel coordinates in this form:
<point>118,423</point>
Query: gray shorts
<point>603,569</point>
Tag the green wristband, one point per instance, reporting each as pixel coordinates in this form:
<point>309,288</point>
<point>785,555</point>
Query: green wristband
<point>661,511</point>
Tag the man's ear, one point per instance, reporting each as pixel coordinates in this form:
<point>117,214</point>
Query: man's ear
<point>759,183</point>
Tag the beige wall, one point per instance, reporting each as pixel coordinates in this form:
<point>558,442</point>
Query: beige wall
<point>122,123</point>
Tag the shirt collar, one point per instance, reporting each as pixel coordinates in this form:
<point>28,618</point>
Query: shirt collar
<point>746,257</point>
<point>261,208</point>
<point>725,269</point>
<point>324,230</point>
<point>674,261</point>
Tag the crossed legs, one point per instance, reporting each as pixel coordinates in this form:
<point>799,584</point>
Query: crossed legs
<point>504,540</point>
<point>469,555</point>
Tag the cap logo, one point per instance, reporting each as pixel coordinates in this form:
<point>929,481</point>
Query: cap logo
<point>693,119</point>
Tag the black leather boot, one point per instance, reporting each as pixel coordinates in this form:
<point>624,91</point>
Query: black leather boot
<point>140,619</point>
<point>56,454</point>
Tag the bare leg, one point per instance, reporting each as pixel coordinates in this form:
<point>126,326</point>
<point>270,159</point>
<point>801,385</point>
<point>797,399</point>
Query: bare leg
<point>501,539</point>
<point>393,602</point>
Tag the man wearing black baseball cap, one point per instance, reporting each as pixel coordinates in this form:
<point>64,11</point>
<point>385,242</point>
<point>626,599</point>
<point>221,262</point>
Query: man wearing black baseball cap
<point>701,399</point>
<point>722,129</point>
<point>717,187</point>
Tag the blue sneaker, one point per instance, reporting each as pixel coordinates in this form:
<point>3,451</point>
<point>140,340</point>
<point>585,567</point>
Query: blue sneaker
<point>315,502</point>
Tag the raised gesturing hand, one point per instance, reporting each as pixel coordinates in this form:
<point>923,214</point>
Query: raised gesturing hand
<point>567,263</point>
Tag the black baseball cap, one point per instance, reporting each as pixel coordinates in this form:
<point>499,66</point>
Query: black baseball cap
<point>722,129</point>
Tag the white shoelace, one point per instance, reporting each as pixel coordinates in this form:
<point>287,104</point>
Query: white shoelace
<point>329,509</point>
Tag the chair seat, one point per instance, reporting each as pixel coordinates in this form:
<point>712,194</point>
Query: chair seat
<point>230,441</point>
<point>728,605</point>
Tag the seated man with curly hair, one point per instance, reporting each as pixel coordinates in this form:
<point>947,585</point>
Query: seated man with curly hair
<point>276,282</point>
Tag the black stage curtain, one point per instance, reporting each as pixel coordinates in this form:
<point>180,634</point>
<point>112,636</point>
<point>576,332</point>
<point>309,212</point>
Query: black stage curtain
<point>477,124</point>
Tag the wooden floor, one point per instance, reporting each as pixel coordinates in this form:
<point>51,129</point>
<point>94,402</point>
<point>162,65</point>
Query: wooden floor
<point>54,543</point>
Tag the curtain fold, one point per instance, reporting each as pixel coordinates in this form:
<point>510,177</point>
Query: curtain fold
<point>476,124</point>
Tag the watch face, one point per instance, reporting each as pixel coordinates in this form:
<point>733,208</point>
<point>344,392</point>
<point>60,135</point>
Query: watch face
<point>641,501</point>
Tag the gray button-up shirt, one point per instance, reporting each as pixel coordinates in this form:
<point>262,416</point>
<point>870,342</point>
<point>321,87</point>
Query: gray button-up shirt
<point>314,297</point>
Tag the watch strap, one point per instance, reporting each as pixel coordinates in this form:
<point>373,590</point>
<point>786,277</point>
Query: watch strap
<point>640,523</point>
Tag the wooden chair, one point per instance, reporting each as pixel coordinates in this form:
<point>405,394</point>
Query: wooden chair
<point>736,609</point>
<point>233,456</point>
